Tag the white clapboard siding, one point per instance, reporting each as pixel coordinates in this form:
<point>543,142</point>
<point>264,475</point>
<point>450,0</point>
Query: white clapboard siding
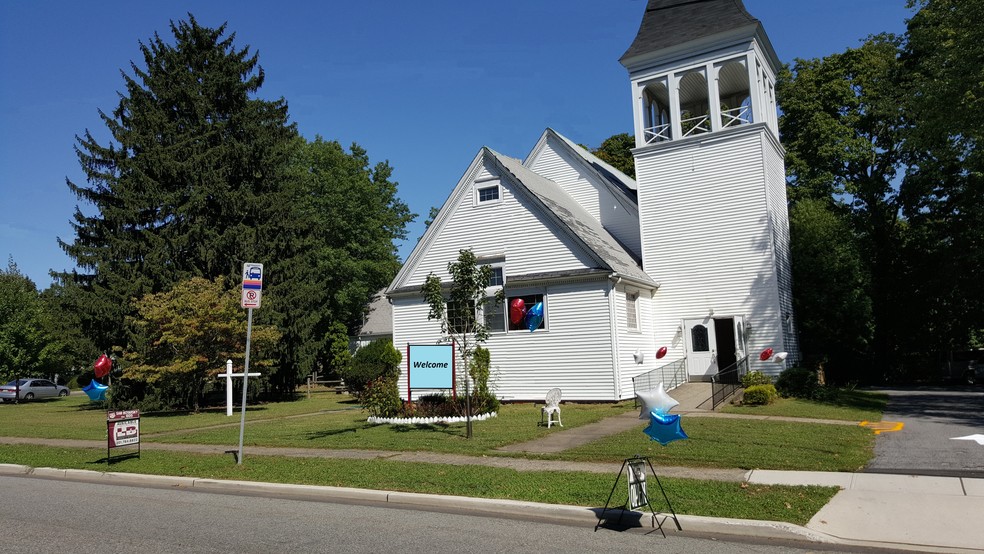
<point>573,353</point>
<point>707,235</point>
<point>515,227</point>
<point>555,162</point>
<point>780,229</point>
<point>631,341</point>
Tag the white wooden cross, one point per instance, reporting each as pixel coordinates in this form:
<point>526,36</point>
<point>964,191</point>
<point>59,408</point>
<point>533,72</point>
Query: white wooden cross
<point>229,375</point>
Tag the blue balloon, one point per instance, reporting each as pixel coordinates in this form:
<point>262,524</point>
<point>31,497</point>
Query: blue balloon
<point>664,428</point>
<point>534,317</point>
<point>95,391</point>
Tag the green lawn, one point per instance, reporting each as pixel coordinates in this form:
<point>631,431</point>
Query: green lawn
<point>848,405</point>
<point>76,417</point>
<point>707,498</point>
<point>335,422</point>
<point>742,443</point>
<point>514,423</point>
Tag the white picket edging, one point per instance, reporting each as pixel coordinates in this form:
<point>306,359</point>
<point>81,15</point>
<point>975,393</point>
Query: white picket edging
<point>425,420</point>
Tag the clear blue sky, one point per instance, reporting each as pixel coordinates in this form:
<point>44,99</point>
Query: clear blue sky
<point>423,84</point>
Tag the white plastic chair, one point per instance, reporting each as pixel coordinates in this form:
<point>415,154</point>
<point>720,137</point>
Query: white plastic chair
<point>551,407</point>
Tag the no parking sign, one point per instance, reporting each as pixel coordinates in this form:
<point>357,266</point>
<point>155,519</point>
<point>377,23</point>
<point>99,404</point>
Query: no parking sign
<point>252,285</point>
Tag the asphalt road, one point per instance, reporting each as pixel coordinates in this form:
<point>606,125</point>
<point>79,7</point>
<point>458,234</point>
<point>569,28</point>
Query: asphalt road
<point>39,515</point>
<point>933,419</point>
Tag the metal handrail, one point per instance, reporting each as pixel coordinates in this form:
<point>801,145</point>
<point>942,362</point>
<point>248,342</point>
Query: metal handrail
<point>725,382</point>
<point>672,375</point>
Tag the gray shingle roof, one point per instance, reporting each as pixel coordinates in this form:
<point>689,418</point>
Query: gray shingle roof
<point>379,320</point>
<point>578,221</point>
<point>670,22</point>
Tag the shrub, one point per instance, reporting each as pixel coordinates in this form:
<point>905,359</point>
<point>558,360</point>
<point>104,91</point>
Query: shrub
<point>759,395</point>
<point>479,371</point>
<point>484,402</point>
<point>441,405</point>
<point>755,378</point>
<point>378,359</point>
<point>436,405</point>
<point>800,382</point>
<point>381,397</point>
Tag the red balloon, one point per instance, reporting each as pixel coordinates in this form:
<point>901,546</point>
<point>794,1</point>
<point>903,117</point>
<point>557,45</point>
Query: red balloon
<point>661,352</point>
<point>102,366</point>
<point>517,311</point>
<point>766,354</point>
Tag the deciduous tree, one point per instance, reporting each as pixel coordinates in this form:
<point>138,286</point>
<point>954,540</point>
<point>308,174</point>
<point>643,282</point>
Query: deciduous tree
<point>460,307</point>
<point>184,337</point>
<point>28,346</point>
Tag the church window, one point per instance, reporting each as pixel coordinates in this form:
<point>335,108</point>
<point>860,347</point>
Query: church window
<point>488,194</point>
<point>631,311</point>
<point>698,338</point>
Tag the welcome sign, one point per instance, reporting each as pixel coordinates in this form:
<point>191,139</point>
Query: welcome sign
<point>430,366</point>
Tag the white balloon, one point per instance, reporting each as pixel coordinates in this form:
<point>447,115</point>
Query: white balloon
<point>657,401</point>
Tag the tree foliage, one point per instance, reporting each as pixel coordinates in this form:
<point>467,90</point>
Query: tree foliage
<point>184,337</point>
<point>616,150</point>
<point>340,250</point>
<point>28,345</point>
<point>831,298</point>
<point>885,137</point>
<point>942,195</point>
<point>378,360</point>
<point>842,125</point>
<point>460,307</point>
<point>191,183</point>
<point>198,176</point>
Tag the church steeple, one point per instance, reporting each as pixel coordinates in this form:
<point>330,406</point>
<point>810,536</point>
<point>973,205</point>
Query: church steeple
<point>699,66</point>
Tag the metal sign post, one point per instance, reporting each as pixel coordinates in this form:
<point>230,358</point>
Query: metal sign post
<point>252,292</point>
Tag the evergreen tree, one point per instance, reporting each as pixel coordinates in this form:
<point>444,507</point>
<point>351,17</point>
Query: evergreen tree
<point>191,184</point>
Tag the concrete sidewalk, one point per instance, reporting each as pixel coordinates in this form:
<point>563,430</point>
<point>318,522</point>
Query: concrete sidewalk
<point>913,511</point>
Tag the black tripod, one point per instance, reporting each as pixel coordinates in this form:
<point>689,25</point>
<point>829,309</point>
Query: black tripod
<point>638,496</point>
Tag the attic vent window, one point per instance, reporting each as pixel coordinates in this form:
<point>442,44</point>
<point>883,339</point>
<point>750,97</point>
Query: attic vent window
<point>488,194</point>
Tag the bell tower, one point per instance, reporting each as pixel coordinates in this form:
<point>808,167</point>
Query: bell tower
<point>711,184</point>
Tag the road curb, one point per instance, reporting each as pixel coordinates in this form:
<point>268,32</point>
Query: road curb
<point>516,509</point>
<point>14,469</point>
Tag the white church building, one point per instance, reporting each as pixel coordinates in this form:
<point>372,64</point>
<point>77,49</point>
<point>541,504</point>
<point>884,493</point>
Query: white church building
<point>683,271</point>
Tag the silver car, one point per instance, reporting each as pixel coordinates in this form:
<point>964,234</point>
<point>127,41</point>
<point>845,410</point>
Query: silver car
<point>31,389</point>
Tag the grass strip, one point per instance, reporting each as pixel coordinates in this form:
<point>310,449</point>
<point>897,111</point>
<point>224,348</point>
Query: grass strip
<point>846,405</point>
<point>742,443</point>
<point>76,417</point>
<point>345,430</point>
<point>706,498</point>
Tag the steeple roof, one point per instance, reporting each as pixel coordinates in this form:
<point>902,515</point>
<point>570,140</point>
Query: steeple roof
<point>668,23</point>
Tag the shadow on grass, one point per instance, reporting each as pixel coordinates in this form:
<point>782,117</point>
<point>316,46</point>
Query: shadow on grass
<point>333,432</point>
<point>858,400</point>
<point>454,431</point>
